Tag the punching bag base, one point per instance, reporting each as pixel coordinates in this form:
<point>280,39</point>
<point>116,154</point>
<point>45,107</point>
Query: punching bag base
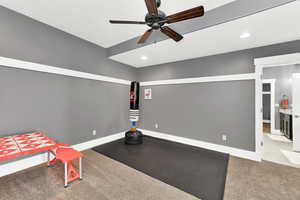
<point>133,137</point>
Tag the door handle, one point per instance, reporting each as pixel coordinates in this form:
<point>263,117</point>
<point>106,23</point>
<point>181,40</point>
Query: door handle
<point>297,116</point>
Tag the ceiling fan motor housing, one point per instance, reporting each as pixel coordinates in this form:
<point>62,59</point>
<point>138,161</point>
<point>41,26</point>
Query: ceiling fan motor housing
<point>156,22</point>
<point>158,3</point>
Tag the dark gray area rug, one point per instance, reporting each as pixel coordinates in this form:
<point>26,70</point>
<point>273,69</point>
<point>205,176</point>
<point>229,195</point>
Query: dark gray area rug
<point>197,171</point>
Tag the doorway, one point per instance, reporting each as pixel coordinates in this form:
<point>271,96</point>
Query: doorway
<point>287,107</point>
<point>268,93</point>
<point>277,112</point>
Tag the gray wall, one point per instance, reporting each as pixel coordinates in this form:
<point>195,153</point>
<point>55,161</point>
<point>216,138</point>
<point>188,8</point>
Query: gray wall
<point>65,108</point>
<point>283,85</point>
<point>211,109</point>
<point>204,111</point>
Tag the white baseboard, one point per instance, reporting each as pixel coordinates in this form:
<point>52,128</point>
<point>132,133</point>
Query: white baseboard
<point>19,165</point>
<point>267,121</point>
<point>13,167</point>
<point>93,143</point>
<point>215,147</point>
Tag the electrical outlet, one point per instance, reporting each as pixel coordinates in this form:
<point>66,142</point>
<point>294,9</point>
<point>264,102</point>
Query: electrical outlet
<point>156,125</point>
<point>224,137</point>
<point>94,132</point>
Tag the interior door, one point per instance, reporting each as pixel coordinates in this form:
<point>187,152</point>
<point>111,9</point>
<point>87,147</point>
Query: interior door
<point>296,111</point>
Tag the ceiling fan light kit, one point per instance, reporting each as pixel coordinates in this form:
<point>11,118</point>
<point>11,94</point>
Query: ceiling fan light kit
<point>157,19</point>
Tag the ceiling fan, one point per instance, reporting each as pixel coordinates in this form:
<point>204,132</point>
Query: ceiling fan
<point>157,19</point>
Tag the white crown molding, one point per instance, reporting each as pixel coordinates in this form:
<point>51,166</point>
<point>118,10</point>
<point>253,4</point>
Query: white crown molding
<point>234,77</point>
<point>197,143</point>
<point>19,165</point>
<point>276,61</point>
<point>19,64</point>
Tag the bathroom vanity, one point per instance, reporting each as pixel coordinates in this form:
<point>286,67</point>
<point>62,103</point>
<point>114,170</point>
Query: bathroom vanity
<point>286,122</point>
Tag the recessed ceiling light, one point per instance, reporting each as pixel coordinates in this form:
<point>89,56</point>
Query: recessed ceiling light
<point>245,35</point>
<point>144,58</point>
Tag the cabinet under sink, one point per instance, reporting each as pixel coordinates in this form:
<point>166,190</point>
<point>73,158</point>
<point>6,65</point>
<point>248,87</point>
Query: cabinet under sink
<point>286,123</point>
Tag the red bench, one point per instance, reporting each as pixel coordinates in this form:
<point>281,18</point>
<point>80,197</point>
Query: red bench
<point>66,154</point>
<point>37,142</point>
<point>24,144</point>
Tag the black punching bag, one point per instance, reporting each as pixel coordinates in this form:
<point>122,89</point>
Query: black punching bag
<point>133,136</point>
<point>134,95</point>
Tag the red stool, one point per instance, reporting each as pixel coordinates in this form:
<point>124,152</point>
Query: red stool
<point>66,154</point>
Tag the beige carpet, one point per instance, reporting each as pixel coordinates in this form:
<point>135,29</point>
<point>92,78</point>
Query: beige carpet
<point>104,179</point>
<point>249,180</point>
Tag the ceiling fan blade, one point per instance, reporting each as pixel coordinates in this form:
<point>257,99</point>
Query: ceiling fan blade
<point>171,33</point>
<point>152,7</point>
<point>125,22</point>
<point>185,15</point>
<point>145,36</point>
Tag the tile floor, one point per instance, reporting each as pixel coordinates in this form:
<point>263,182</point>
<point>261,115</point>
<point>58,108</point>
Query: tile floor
<point>272,151</point>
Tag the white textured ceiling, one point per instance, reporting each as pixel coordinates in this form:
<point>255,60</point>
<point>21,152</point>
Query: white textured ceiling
<point>88,19</point>
<point>273,26</point>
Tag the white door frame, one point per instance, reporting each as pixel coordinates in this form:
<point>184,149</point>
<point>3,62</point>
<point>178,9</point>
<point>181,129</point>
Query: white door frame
<point>296,142</point>
<point>260,63</point>
<point>272,103</point>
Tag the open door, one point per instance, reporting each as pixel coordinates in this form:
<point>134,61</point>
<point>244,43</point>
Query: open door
<point>296,111</point>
